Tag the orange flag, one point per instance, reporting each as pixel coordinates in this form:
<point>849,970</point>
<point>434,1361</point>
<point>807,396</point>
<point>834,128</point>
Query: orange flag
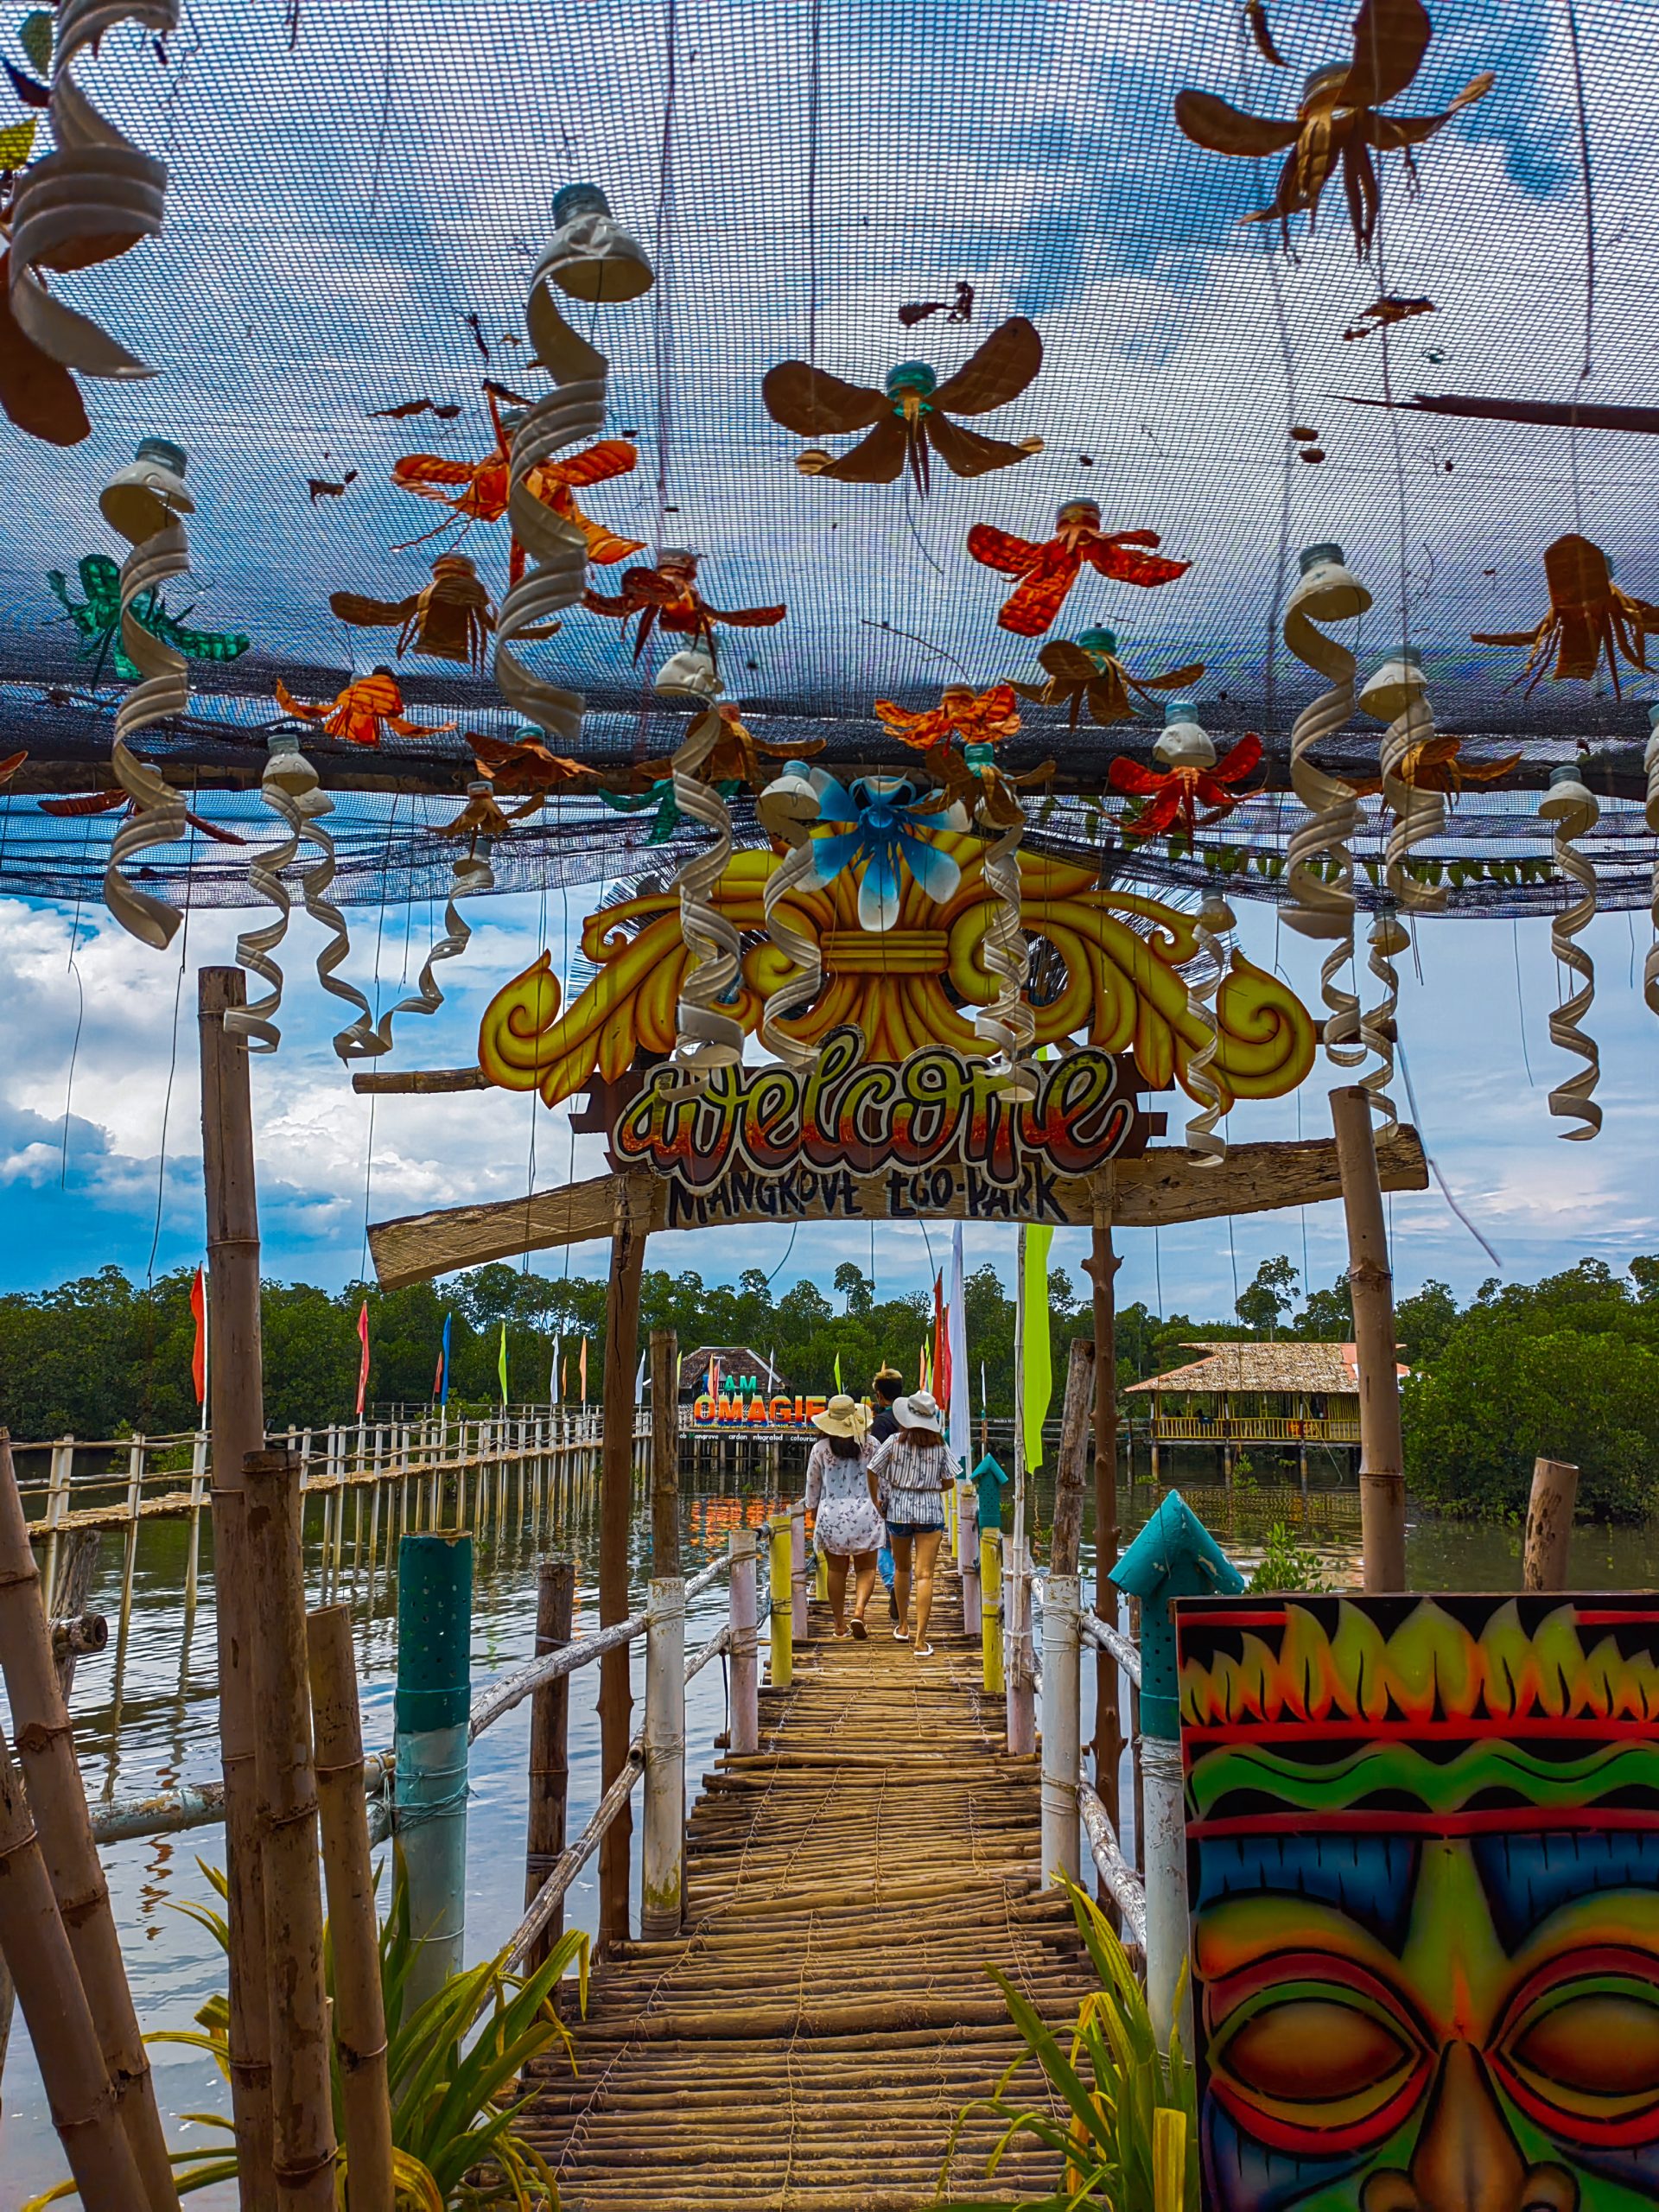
<point>199,1356</point>
<point>583,1371</point>
<point>363,1364</point>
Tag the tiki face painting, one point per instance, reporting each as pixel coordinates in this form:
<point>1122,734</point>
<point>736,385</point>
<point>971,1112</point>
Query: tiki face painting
<point>1423,1853</point>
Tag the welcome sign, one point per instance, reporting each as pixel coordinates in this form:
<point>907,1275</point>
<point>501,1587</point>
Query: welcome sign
<point>932,1132</point>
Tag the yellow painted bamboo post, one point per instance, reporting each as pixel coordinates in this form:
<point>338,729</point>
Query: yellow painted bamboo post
<point>821,1580</point>
<point>991,1609</point>
<point>783,1612</point>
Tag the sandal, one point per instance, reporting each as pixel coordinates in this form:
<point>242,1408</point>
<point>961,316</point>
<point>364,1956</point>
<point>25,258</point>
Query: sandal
<point>857,1629</point>
<point>842,1635</point>
<point>924,1651</point>
<point>901,1635</point>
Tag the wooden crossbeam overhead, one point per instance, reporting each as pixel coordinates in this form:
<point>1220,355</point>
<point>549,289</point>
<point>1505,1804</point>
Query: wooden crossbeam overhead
<point>1166,1185</point>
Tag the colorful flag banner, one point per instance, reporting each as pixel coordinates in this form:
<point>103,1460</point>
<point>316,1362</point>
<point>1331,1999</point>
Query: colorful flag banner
<point>1039,1368</point>
<point>839,1384</point>
<point>583,1371</point>
<point>363,1364</point>
<point>555,1379</point>
<point>198,1355</point>
<point>440,1376</point>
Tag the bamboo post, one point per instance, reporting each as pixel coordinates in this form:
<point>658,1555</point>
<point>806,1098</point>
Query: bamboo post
<point>360,2011</point>
<point>46,1752</point>
<point>781,1673</point>
<point>1382,1465</point>
<point>1062,1599</point>
<point>968,1538</point>
<point>435,1619</point>
<point>742,1618</point>
<point>57,1502</point>
<point>77,1570</point>
<point>1109,1724</point>
<point>237,1422</point>
<point>549,1767</point>
<point>302,2098</point>
<point>1021,1717</point>
<point>55,2013</point>
<point>1067,1539</point>
<point>1549,1524</point>
<point>616,1496</point>
<point>663,1873</point>
<point>991,1610</point>
<point>193,1558</point>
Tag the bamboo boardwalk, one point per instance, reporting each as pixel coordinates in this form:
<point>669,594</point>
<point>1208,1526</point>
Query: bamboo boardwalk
<point>806,2044</point>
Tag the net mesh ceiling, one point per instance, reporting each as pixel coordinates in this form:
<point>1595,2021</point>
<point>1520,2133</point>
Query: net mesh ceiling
<point>357,195</point>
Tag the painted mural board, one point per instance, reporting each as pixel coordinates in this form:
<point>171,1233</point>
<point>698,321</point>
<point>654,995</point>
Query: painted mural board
<point>1423,1858</point>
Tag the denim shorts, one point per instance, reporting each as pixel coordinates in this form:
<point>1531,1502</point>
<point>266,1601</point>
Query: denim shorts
<point>906,1530</point>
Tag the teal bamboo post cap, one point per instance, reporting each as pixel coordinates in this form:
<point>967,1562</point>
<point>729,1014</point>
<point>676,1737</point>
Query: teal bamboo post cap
<point>434,1631</point>
<point>989,1480</point>
<point>1173,1556</point>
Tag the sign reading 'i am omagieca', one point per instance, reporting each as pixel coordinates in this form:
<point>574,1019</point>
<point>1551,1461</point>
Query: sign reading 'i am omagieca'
<point>933,1131</point>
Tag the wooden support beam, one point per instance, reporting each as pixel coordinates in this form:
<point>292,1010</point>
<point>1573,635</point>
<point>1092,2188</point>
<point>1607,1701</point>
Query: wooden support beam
<point>615,1501</point>
<point>1370,1282</point>
<point>1166,1185</point>
<point>426,1082</point>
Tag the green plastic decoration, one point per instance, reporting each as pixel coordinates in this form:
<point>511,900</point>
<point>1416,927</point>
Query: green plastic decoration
<point>98,619</point>
<point>659,795</point>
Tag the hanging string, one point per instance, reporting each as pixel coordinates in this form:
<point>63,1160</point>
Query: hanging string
<point>172,1069</point>
<point>1587,177</point>
<point>783,1262</point>
<point>80,1010</point>
<point>813,83</point>
<point>662,325</point>
<point>1520,1003</point>
<point>1433,1166</point>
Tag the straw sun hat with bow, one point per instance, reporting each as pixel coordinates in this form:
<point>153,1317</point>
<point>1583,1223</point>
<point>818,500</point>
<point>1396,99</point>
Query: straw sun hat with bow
<point>842,1416</point>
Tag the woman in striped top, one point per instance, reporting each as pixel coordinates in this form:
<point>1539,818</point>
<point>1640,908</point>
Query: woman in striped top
<point>912,1473</point>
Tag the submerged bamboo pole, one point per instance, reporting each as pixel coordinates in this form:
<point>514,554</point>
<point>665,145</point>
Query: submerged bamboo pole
<point>46,1751</point>
<point>550,1757</point>
<point>360,2011</point>
<point>616,1499</point>
<point>1382,1462</point>
<point>55,2013</point>
<point>1549,1524</point>
<point>237,1422</point>
<point>301,2101</point>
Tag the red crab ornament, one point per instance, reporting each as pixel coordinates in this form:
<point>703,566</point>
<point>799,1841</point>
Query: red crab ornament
<point>1047,572</point>
<point>1192,778</point>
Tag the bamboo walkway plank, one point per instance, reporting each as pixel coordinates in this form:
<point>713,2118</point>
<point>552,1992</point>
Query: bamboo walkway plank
<point>806,2045</point>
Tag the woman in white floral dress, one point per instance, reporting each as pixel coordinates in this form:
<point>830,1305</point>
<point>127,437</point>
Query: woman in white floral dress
<point>848,1530</point>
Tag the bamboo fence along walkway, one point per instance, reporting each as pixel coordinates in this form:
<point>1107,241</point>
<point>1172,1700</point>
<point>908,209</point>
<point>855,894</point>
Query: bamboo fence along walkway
<point>806,2044</point>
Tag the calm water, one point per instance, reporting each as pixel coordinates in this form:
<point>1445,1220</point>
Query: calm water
<point>166,1730</point>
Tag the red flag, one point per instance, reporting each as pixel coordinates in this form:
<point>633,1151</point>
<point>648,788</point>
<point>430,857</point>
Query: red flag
<point>363,1364</point>
<point>941,1344</point>
<point>584,1370</point>
<point>199,1356</point>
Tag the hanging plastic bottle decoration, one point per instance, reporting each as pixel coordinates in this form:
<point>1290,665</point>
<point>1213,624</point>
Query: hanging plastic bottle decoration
<point>1574,811</point>
<point>143,502</point>
<point>1398,694</point>
<point>1388,938</point>
<point>1008,1025</point>
<point>1203,976</point>
<point>591,259</point>
<point>289,788</point>
<point>788,807</point>
<point>470,874</point>
<point>1320,874</point>
<point>90,200</point>
<point>709,1037</point>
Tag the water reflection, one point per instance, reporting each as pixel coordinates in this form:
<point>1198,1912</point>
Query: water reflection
<point>167,1714</point>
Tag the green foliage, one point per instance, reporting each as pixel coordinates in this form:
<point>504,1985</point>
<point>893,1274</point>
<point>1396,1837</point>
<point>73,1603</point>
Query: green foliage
<point>1286,1563</point>
<point>1268,1298</point>
<point>453,2063</point>
<point>1131,2143</point>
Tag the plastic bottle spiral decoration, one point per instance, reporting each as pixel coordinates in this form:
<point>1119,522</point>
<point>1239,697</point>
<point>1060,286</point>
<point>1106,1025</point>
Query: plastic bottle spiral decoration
<point>707,1037</point>
<point>787,808</point>
<point>143,503</point>
<point>1320,874</point>
<point>96,195</point>
<point>470,874</point>
<point>1389,936</point>
<point>289,788</point>
<point>1650,762</point>
<point>1007,1025</point>
<point>1204,974</point>
<point>590,258</point>
<point>1398,694</point>
<point>1573,810</point>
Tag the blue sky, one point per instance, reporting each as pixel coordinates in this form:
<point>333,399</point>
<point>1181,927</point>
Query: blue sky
<point>1481,1075</point>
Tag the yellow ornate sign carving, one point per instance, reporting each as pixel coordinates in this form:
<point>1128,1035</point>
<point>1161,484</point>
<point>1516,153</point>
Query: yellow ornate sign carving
<point>1110,981</point>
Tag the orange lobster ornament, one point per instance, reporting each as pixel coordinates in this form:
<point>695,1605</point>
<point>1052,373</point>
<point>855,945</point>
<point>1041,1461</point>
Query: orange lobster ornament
<point>525,768</point>
<point>667,596</point>
<point>911,412</point>
<point>450,618</point>
<point>1337,124</point>
<point>476,490</point>
<point>1047,572</point>
<point>967,769</point>
<point>1192,777</point>
<point>1091,670</point>
<point>1588,615</point>
<point>363,713</point>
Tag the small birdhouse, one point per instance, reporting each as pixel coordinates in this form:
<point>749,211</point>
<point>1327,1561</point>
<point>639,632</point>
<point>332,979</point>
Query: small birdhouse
<point>1173,1556</point>
<point>990,1482</point>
